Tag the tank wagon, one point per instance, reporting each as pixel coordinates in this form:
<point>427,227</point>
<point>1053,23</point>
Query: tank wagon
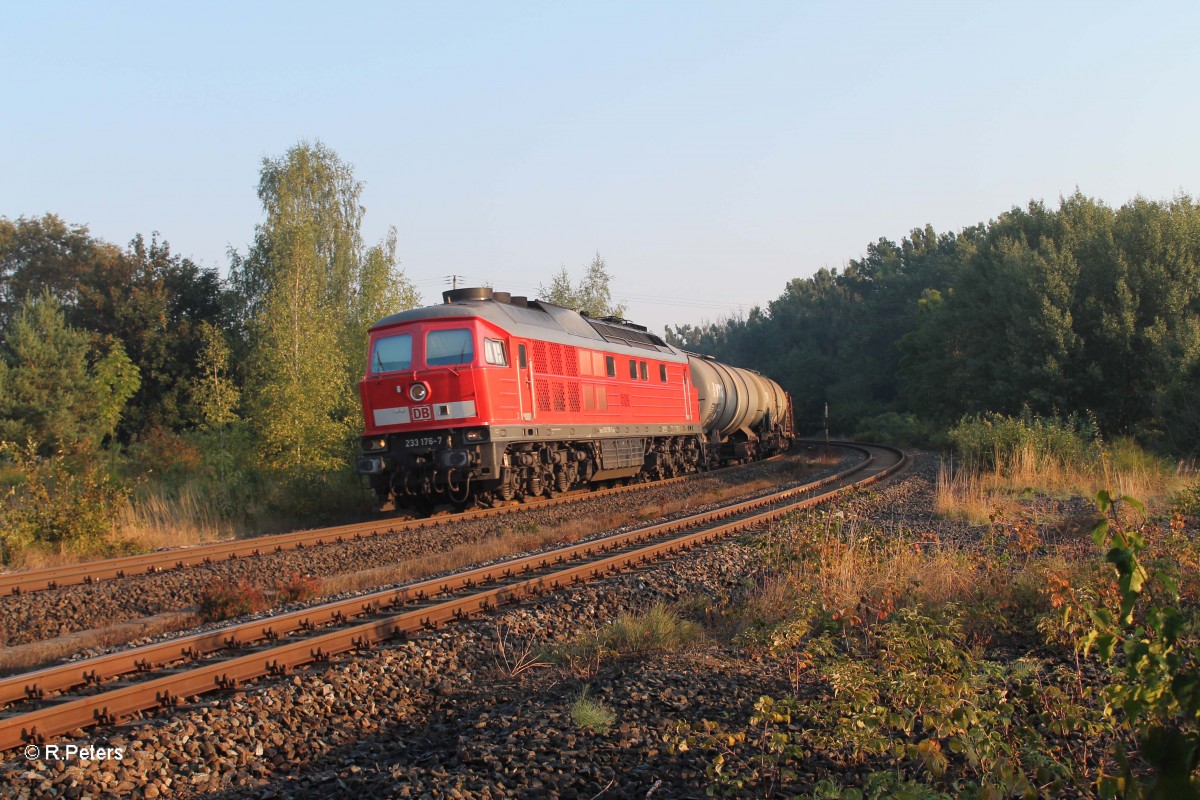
<point>490,397</point>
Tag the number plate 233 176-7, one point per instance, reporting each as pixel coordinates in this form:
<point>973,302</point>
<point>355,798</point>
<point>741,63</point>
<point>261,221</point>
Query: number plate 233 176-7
<point>423,441</point>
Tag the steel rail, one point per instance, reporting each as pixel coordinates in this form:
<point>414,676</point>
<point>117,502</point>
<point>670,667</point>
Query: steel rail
<point>47,578</point>
<point>38,684</point>
<point>166,690</point>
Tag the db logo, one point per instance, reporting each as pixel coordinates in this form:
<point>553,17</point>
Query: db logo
<point>420,413</point>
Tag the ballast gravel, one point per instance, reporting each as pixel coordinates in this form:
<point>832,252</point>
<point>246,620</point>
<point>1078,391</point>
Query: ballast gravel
<point>37,616</point>
<point>454,714</point>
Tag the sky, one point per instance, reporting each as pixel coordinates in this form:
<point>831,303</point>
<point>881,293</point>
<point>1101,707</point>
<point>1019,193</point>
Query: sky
<point>710,152</point>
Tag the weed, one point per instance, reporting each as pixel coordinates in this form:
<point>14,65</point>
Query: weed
<point>297,588</point>
<point>659,628</point>
<point>55,506</point>
<point>515,658</point>
<point>224,602</point>
<point>592,715</point>
<point>582,655</point>
<point>1158,693</point>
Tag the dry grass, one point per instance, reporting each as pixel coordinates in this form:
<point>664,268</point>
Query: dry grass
<point>25,657</point>
<point>830,568</point>
<point>517,538</point>
<point>976,495</point>
<point>857,574</point>
<point>152,523</point>
<point>156,522</point>
<point>971,496</point>
<point>514,656</point>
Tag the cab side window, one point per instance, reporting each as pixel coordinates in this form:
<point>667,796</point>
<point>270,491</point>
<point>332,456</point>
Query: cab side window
<point>610,364</point>
<point>493,352</point>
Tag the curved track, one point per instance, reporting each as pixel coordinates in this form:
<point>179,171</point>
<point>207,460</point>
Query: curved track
<point>180,558</point>
<point>122,684</point>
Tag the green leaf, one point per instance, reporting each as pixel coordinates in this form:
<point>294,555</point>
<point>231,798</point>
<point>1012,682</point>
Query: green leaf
<point>1105,643</point>
<point>1135,503</point>
<point>1127,605</point>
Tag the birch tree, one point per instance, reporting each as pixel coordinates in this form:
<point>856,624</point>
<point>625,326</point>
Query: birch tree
<point>312,289</point>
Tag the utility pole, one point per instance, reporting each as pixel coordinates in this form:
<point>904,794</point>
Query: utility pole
<point>453,281</point>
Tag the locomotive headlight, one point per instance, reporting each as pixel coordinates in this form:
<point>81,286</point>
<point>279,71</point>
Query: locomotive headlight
<point>474,436</point>
<point>374,445</point>
<point>418,392</point>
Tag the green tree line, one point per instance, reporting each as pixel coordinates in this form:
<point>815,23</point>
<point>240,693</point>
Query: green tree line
<point>133,367</point>
<point>1079,309</point>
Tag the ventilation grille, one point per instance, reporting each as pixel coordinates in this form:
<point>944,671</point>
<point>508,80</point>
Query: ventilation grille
<point>540,363</point>
<point>570,359</point>
<point>555,359</point>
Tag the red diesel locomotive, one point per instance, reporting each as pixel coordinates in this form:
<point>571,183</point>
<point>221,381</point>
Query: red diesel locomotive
<point>491,397</point>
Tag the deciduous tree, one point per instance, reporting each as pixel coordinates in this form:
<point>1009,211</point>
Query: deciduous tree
<point>311,290</point>
<point>591,296</point>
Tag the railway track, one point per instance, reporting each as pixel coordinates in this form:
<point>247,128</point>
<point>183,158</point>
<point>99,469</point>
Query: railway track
<point>109,688</point>
<point>48,578</point>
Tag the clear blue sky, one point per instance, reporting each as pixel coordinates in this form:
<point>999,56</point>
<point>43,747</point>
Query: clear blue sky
<point>710,151</point>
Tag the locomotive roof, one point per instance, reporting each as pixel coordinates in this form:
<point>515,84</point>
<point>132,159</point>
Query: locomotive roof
<point>547,322</point>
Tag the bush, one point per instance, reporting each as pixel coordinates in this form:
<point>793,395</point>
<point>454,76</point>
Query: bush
<point>297,588</point>
<point>1157,695</point>
<point>996,441</point>
<point>899,429</point>
<point>319,496</point>
<point>55,504</point>
<point>166,455</point>
<point>1187,501</point>
<point>224,601</point>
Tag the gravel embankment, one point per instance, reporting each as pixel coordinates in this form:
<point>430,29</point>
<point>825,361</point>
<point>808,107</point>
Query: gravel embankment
<point>37,616</point>
<point>440,716</point>
<point>434,713</point>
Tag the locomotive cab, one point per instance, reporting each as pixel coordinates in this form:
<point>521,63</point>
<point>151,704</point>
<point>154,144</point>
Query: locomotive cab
<point>425,407</point>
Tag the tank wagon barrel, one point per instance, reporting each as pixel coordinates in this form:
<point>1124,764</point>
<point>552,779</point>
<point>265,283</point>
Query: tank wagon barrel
<point>737,403</point>
<point>491,396</point>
